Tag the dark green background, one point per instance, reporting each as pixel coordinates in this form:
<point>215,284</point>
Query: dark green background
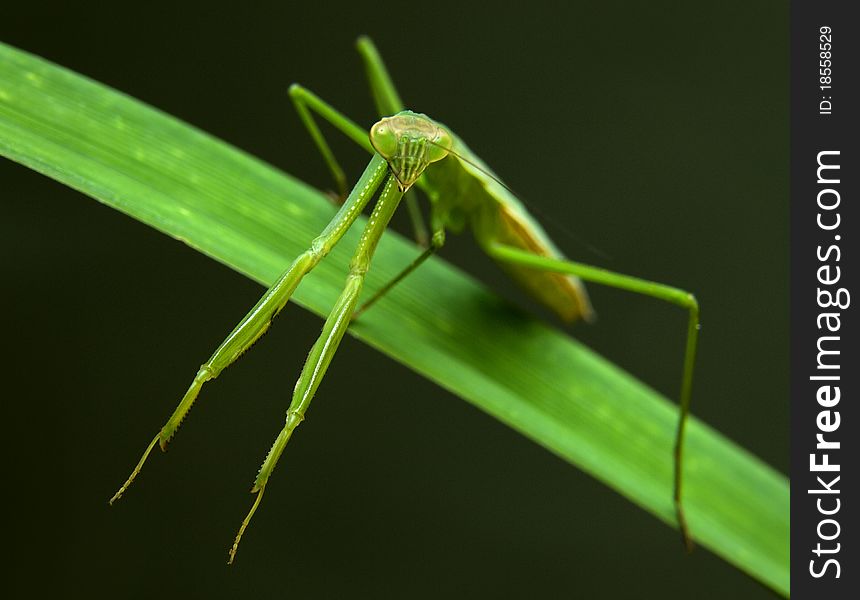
<point>656,132</point>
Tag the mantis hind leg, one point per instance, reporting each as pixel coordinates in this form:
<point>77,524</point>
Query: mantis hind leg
<point>667,293</point>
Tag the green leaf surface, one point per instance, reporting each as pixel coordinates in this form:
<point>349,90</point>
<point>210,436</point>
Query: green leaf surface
<point>440,322</point>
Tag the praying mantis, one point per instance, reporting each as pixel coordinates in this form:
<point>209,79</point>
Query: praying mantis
<point>410,150</point>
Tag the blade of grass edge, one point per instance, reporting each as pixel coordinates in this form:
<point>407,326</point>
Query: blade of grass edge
<point>440,322</point>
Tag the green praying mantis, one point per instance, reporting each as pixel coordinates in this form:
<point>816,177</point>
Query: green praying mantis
<point>410,149</point>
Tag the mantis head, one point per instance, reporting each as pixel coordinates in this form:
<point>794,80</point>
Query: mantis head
<point>409,142</point>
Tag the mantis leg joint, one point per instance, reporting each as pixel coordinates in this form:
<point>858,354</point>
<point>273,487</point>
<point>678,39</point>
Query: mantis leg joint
<point>294,417</point>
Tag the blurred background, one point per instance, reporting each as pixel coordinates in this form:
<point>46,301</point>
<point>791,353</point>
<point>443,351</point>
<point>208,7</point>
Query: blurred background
<point>657,133</point>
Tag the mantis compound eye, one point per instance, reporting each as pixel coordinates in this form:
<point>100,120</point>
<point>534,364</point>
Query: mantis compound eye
<point>383,138</point>
<point>438,148</point>
<point>409,142</point>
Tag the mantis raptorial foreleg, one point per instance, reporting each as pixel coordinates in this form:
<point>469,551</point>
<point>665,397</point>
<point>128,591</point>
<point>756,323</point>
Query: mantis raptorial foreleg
<point>307,103</point>
<point>323,350</point>
<point>437,240</point>
<point>463,191</point>
<point>388,101</point>
<point>660,291</point>
<point>258,319</point>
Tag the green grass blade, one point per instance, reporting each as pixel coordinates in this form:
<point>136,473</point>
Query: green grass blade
<point>439,322</point>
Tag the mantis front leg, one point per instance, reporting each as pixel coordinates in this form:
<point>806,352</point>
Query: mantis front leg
<point>307,103</point>
<point>258,319</point>
<point>437,240</point>
<point>326,345</point>
<point>667,293</point>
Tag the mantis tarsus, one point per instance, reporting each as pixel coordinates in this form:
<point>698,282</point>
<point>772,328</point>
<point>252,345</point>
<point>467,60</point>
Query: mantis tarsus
<point>411,149</point>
